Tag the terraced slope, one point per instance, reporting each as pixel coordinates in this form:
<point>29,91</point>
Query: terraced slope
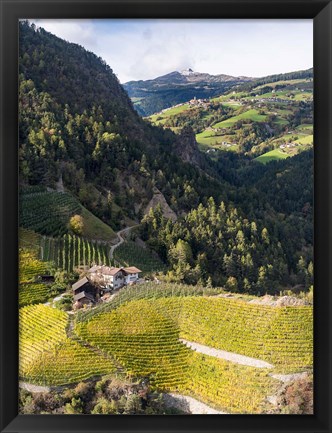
<point>48,356</point>
<point>144,341</point>
<point>49,213</point>
<point>228,386</point>
<point>141,330</point>
<point>282,336</point>
<point>129,252</point>
<point>66,252</point>
<point>148,290</point>
<point>30,290</point>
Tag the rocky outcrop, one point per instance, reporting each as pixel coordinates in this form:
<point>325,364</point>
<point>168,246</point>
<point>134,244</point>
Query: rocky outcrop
<point>186,148</point>
<point>158,198</point>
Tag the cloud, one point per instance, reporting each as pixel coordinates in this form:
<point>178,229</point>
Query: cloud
<point>144,49</point>
<point>77,31</point>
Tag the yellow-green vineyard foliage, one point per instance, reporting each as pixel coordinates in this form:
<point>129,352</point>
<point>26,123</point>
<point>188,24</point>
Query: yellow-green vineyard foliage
<point>68,362</point>
<point>32,294</point>
<point>47,356</point>
<point>282,336</point>
<point>143,340</point>
<point>30,267</point>
<point>146,342</point>
<point>228,386</point>
<point>30,290</point>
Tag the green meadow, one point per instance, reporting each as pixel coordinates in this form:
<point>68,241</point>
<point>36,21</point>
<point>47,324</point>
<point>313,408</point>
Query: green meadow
<point>272,155</point>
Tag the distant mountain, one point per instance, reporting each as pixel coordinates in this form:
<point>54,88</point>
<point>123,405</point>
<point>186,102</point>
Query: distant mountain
<point>152,96</point>
<point>77,123</point>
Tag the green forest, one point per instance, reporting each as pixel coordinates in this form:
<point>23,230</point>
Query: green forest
<point>240,224</point>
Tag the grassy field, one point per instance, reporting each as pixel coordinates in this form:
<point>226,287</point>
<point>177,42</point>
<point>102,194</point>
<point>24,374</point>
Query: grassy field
<point>160,118</point>
<point>272,155</point>
<point>305,128</point>
<point>307,139</point>
<point>94,228</point>
<point>211,138</point>
<point>282,82</point>
<point>251,114</point>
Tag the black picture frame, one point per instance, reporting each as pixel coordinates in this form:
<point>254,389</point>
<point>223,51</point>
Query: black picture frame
<point>321,12</point>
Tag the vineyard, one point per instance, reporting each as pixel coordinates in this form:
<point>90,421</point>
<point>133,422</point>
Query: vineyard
<point>48,356</point>
<point>148,345</point>
<point>282,336</point>
<point>227,386</point>
<point>160,315</point>
<point>140,330</point>
<point>31,291</point>
<point>148,290</point>
<point>33,294</point>
<point>71,251</point>
<point>47,212</point>
<point>129,252</point>
<point>66,252</point>
<point>30,267</point>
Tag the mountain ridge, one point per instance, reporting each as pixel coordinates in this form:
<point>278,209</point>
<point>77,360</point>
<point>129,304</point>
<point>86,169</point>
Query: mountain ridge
<point>151,96</point>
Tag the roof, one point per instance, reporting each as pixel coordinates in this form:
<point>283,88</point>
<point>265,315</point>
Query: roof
<point>104,270</point>
<point>80,283</point>
<point>83,295</point>
<point>94,268</point>
<point>112,271</point>
<point>132,270</point>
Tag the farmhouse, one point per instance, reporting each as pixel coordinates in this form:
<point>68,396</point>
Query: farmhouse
<point>102,279</point>
<point>113,278</point>
<point>84,291</point>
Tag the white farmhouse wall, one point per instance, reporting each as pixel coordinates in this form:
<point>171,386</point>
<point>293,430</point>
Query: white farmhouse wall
<point>130,278</point>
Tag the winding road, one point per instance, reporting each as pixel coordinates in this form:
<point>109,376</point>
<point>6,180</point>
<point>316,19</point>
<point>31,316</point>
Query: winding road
<point>121,239</point>
<point>228,356</point>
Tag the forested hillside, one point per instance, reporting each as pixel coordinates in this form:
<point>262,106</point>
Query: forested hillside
<point>76,121</point>
<point>240,223</point>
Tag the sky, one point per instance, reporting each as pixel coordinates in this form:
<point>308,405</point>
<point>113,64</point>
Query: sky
<point>141,49</point>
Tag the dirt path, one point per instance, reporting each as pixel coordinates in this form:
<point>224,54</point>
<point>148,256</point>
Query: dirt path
<point>121,239</point>
<point>289,377</point>
<point>33,388</point>
<point>189,405</point>
<point>228,356</point>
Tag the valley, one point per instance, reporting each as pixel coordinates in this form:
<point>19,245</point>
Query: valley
<point>165,239</point>
<point>275,117</point>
